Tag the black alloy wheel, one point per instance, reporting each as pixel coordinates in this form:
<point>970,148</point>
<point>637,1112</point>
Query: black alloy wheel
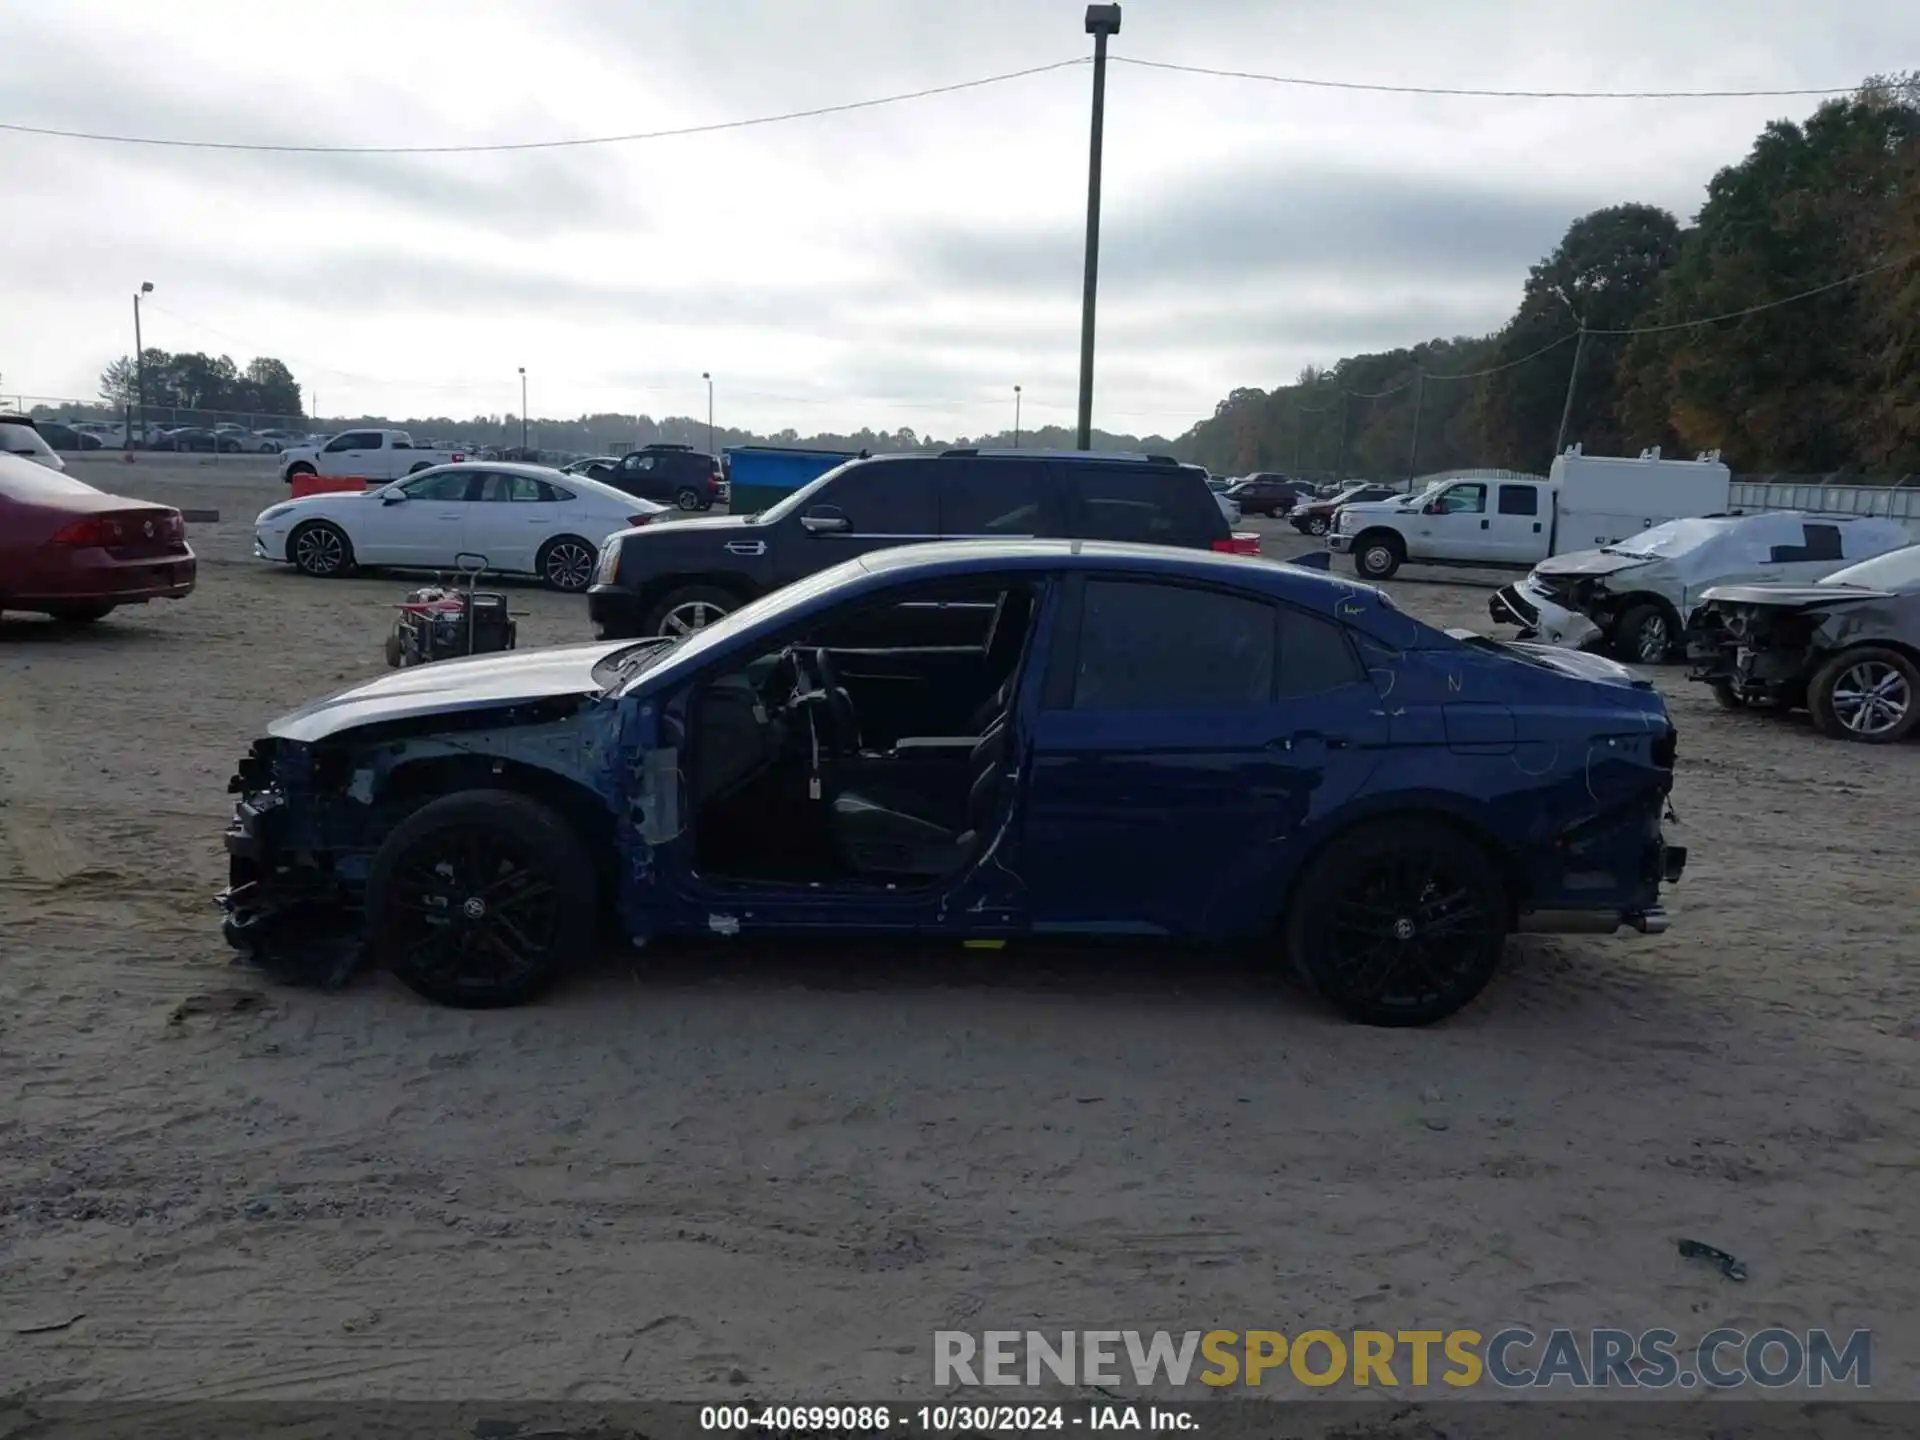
<point>479,899</point>
<point>1399,922</point>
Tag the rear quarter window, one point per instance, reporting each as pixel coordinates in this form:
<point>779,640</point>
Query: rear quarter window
<point>1150,505</point>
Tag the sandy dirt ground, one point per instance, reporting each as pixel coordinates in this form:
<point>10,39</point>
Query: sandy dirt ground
<point>713,1173</point>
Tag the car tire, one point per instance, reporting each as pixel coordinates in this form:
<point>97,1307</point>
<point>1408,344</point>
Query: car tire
<point>480,899</point>
<point>566,564</point>
<point>298,468</point>
<point>1319,525</point>
<point>1378,557</point>
<point>321,549</point>
<point>695,606</point>
<point>687,498</point>
<point>79,613</point>
<point>1869,694</point>
<point>1644,635</point>
<point>1381,875</point>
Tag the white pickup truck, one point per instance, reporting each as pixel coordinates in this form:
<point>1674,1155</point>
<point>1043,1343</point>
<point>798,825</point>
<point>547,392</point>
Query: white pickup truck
<point>1494,520</point>
<point>375,456</point>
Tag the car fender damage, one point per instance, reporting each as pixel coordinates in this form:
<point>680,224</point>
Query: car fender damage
<point>310,816</point>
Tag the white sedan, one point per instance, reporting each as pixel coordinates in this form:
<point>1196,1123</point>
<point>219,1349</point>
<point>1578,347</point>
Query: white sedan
<point>523,519</point>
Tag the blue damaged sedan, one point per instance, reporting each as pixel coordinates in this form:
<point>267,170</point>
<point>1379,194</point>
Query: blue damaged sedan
<point>977,740</point>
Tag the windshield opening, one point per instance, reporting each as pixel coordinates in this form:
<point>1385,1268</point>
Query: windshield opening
<point>1895,570</point>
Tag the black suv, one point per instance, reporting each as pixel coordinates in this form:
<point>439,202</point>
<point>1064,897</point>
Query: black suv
<point>666,474</point>
<point>673,578</point>
<point>1268,493</point>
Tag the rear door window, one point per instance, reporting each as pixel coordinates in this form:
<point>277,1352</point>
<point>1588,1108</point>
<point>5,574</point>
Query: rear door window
<point>1519,500</point>
<point>998,498</point>
<point>1147,646</point>
<point>1147,504</point>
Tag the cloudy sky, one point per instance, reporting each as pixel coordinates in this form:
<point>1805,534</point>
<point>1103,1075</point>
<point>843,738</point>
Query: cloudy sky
<point>903,265</point>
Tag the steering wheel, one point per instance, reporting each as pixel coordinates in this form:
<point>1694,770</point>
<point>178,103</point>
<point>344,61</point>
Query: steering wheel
<point>826,681</point>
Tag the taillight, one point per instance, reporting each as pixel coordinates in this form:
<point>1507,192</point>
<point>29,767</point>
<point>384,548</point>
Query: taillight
<point>1238,545</point>
<point>639,519</point>
<point>88,533</point>
<point>174,527</point>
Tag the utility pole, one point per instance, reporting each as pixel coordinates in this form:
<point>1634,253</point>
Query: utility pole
<point>1102,21</point>
<point>708,377</point>
<point>523,412</point>
<point>1419,398</point>
<point>1016,417</point>
<point>1573,375</point>
<point>1299,437</point>
<point>140,365</point>
<point>1340,456</point>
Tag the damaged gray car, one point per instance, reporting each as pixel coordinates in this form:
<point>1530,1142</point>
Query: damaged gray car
<point>1846,648</point>
<point>1637,596</point>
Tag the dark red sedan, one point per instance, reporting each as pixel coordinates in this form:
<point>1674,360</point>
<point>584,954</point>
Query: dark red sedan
<point>75,553</point>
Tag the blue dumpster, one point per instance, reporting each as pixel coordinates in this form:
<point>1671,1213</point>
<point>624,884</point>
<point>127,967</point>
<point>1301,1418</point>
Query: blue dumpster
<point>760,475</point>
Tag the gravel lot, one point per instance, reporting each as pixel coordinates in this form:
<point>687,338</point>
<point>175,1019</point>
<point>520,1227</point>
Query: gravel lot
<point>719,1172</point>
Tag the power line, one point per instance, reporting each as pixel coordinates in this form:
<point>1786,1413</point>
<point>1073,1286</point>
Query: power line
<point>1555,344</point>
<point>1767,305</point>
<point>843,107</point>
<point>517,145</point>
<point>1458,90</point>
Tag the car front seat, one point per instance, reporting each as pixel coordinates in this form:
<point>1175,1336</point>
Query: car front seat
<point>1005,640</point>
<point>875,839</point>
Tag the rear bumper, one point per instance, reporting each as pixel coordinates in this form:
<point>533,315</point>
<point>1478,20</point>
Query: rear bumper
<point>1664,865</point>
<point>96,577</point>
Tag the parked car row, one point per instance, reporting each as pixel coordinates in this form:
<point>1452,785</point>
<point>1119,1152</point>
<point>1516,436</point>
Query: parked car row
<point>226,438</point>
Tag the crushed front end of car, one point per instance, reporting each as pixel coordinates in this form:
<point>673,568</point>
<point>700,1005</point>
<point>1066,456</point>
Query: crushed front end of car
<point>1761,648</point>
<point>296,864</point>
<point>315,801</point>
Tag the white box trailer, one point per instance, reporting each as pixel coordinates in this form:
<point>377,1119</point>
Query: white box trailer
<point>1602,499</point>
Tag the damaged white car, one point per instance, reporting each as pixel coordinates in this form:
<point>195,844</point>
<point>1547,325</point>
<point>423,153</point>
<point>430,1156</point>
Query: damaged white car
<point>1635,597</point>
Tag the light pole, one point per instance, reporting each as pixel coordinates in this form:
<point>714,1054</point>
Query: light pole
<point>708,377</point>
<point>523,412</point>
<point>1102,21</point>
<point>1573,375</point>
<point>1016,417</point>
<point>140,366</point>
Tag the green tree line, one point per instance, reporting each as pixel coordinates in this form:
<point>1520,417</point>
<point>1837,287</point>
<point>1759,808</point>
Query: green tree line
<point>193,381</point>
<point>1819,382</point>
